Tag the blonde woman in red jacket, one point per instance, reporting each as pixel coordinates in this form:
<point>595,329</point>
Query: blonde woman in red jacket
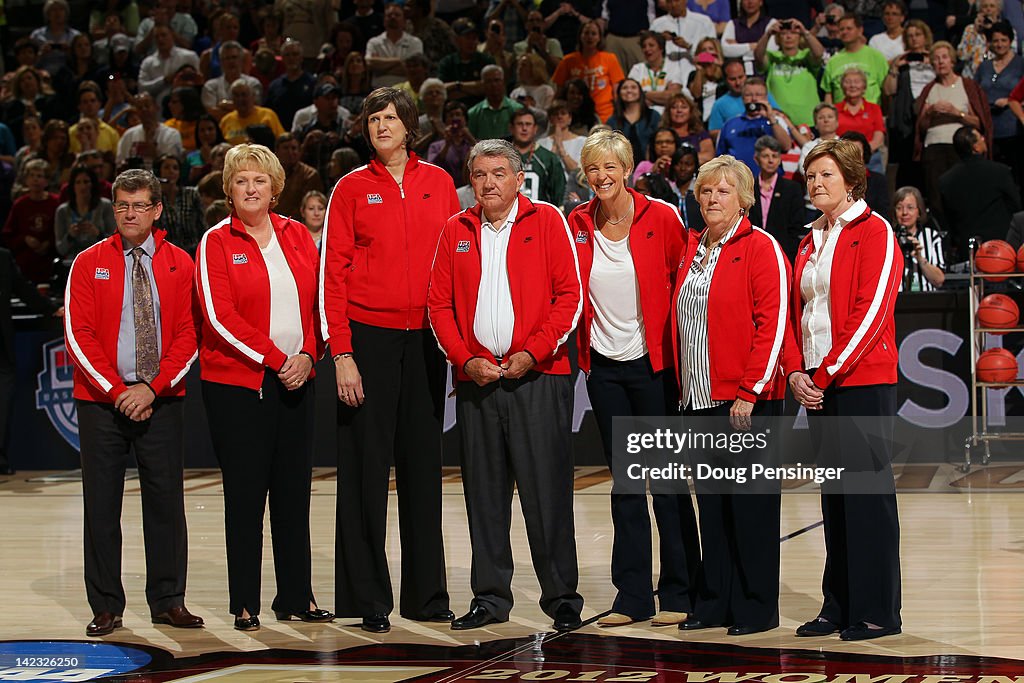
<point>256,276</point>
<point>381,230</point>
<point>842,365</point>
<point>729,317</point>
<point>629,248</point>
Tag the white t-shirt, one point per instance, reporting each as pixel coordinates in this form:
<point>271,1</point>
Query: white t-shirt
<point>671,71</point>
<point>691,28</point>
<point>286,328</point>
<point>890,47</point>
<point>617,330</point>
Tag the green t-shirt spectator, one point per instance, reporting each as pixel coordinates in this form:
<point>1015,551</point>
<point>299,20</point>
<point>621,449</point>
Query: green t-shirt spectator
<point>544,176</point>
<point>793,82</point>
<point>871,62</point>
<point>487,123</point>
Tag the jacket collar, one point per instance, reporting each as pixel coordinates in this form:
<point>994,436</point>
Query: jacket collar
<point>378,168</point>
<point>857,212</point>
<point>158,239</point>
<point>278,222</point>
<point>474,214</point>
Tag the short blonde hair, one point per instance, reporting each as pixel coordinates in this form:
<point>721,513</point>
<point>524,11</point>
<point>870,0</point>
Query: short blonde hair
<point>247,157</point>
<point>854,71</point>
<point>849,157</point>
<point>603,142</point>
<point>942,45</point>
<point>734,172</point>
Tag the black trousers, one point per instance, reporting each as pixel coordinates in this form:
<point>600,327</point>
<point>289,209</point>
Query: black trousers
<point>861,582</point>
<point>400,423</point>
<point>623,388</point>
<point>264,445</point>
<point>106,438</point>
<point>517,433</point>
<point>739,532</point>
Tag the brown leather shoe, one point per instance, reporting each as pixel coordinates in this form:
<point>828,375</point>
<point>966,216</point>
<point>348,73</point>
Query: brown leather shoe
<point>178,617</point>
<point>103,624</point>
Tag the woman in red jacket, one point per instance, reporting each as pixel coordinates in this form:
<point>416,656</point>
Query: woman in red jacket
<point>379,238</point>
<point>256,279</point>
<point>629,247</point>
<point>842,366</point>
<point>729,323</point>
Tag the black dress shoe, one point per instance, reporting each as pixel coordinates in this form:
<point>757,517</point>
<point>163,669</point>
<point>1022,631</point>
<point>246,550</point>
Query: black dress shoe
<point>376,623</point>
<point>747,629</point>
<point>178,617</point>
<point>474,618</point>
<point>862,631</point>
<point>567,619</point>
<point>817,627</point>
<point>247,623</point>
<point>312,616</point>
<point>103,624</point>
<point>694,624</point>
<point>7,470</point>
<point>445,616</point>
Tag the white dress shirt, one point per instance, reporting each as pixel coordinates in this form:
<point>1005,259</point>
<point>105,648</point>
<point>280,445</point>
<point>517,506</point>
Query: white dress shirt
<point>692,28</point>
<point>286,328</point>
<point>495,318</point>
<point>155,69</point>
<point>617,330</point>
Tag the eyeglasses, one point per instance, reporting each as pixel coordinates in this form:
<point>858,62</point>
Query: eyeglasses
<point>137,207</point>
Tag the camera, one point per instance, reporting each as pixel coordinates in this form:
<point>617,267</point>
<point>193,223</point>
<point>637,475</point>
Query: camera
<point>830,19</point>
<point>755,107</point>
<point>787,25</point>
<point>915,57</point>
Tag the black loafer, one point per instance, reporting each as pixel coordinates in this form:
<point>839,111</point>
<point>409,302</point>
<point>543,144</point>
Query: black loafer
<point>476,617</point>
<point>445,616</point>
<point>567,619</point>
<point>817,627</point>
<point>247,623</point>
<point>312,616</point>
<point>861,631</point>
<point>747,629</point>
<point>693,624</point>
<point>376,623</point>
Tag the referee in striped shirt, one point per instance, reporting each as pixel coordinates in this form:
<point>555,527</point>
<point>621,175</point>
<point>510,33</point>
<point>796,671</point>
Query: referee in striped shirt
<point>922,244</point>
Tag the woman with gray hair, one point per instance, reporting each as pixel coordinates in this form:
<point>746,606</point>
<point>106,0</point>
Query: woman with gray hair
<point>922,243</point>
<point>729,317</point>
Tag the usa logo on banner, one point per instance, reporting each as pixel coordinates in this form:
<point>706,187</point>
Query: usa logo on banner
<point>53,393</point>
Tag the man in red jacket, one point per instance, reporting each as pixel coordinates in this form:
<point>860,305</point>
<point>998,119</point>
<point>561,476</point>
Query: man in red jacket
<point>129,330</point>
<point>504,296</point>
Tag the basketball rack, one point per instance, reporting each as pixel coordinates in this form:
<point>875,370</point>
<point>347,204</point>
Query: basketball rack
<point>980,434</point>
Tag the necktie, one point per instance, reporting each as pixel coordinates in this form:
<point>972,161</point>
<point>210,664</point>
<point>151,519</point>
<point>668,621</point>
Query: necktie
<point>147,361</point>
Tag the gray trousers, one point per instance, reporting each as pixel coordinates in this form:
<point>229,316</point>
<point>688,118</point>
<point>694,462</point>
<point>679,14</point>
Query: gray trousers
<point>517,433</point>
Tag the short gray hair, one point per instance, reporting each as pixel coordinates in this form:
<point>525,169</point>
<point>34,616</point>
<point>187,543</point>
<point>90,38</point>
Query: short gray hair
<point>767,142</point>
<point>230,45</point>
<point>496,148</point>
<point>490,68</point>
<point>436,83</point>
<point>135,179</point>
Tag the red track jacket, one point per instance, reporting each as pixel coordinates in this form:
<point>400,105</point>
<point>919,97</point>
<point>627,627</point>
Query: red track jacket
<point>747,314</point>
<point>544,279</point>
<point>378,244</point>
<point>92,318</point>
<point>656,241</point>
<point>234,294</point>
<point>867,268</point>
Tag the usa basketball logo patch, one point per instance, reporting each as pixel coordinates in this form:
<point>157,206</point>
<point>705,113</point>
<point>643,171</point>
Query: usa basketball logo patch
<point>54,387</point>
<point>239,259</point>
<point>374,199</point>
<point>102,274</point>
<point>581,237</point>
<point>462,247</point>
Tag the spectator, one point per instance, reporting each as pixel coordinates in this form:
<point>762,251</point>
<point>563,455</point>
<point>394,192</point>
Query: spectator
<point>300,178</point>
<point>355,83</point>
<point>462,70</point>
<point>126,12</point>
<point>740,133</point>
<point>266,67</point>
<point>973,48</point>
<point>343,161</point>
<point>622,23</point>
<point>533,81</point>
<point>491,117</point>
<point>28,232</point>
<point>30,96</point>
<point>32,135</point>
<point>536,42</point>
<point>826,122</point>
<point>633,117</point>
<point>659,78</point>
<point>600,70</point>
<point>385,53</point>
<point>792,70</point>
<point>119,79</point>
<point>979,196</point>
<point>944,105</point>
<point>908,75</point>
<point>314,208</point>
<point>293,90</point>
<point>226,29</point>
<point>309,22</point>
<point>150,138</point>
<point>544,178</point>
<point>923,255</point>
<point>436,35</point>
<point>743,33</point>
<point>345,39</point>
<point>877,193</point>
<point>778,202</point>
<point>705,84</point>
<point>433,95</point>
<point>562,20</point>
<point>417,68</point>
<point>207,136</point>
<point>306,115</point>
<point>217,211</point>
<point>581,107</point>
<point>451,151</point>
<point>856,113</point>
<point>182,215</point>
<point>81,65</point>
<point>270,26</point>
<point>246,113</point>
<point>158,69</point>
<point>211,186</point>
<point>83,220</point>
<point>855,52</point>
<point>86,134</point>
<point>683,118</point>
<point>182,25</point>
<point>217,97</point>
<point>567,146</point>
<point>730,104</point>
<point>26,52</point>
<point>56,149</point>
<point>719,11</point>
<point>494,45</point>
<point>55,34</point>
<point>997,77</point>
<point>659,154</point>
<point>682,172</point>
<point>185,109</point>
<point>89,103</point>
<point>367,21</point>
<point>114,34</point>
<point>655,185</point>
<point>890,42</point>
<point>682,29</point>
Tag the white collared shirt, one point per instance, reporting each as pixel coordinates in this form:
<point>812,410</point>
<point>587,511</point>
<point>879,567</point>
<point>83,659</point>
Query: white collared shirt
<point>815,284</point>
<point>495,318</point>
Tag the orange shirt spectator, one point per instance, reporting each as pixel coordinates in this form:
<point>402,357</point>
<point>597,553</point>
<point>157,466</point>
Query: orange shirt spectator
<point>600,70</point>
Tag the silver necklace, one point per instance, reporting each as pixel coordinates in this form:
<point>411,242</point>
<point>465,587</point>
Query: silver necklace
<point>609,218</point>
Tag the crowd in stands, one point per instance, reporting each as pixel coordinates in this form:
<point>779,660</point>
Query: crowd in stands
<point>933,90</point>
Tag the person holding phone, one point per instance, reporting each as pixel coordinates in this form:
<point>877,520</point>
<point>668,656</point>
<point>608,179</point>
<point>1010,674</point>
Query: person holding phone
<point>791,72</point>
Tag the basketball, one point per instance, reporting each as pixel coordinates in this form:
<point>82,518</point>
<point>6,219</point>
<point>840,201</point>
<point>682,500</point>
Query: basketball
<point>998,311</point>
<point>1020,259</point>
<point>995,256</point>
<point>997,365</point>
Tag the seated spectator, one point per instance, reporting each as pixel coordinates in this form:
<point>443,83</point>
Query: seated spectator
<point>217,91</point>
<point>343,161</point>
<point>56,150</point>
<point>28,232</point>
<point>451,151</point>
<point>462,70</point>
<point>741,132</point>
<point>182,216</point>
<point>89,103</point>
<point>417,68</point>
<point>778,203</point>
<point>878,195</point>
<point>890,41</point>
<point>207,136</point>
<point>55,34</point>
<point>707,82</point>
<point>32,135</point>
<point>125,11</point>
<point>562,20</point>
<point>293,90</point>
<point>718,11</point>
<point>997,78</point>
<point>544,173</point>
<point>165,14</point>
<point>326,87</point>
<point>532,76</point>
<point>185,109</point>
<point>857,114</point>
<point>923,257</point>
<point>217,211</point>
<point>659,78</point>
<point>270,25</point>
<point>246,113</point>
<point>300,178</point>
<point>659,154</point>
<point>826,122</point>
<point>730,104</point>
<point>973,47</point>
<point>682,117</point>
<point>86,135</point>
<point>150,138</point>
<point>682,29</point>
<point>791,71</point>
<point>826,28</point>
<point>156,74</point>
<point>30,96</point>
<point>433,96</point>
<point>122,65</point>
<point>266,67</point>
<point>345,38</point>
<point>313,211</point>
<point>581,107</point>
<point>81,65</point>
<point>855,52</point>
<point>682,173</point>
<point>908,74</point>
<point>600,69</point>
<point>83,220</point>
<point>743,33</point>
<point>8,147</point>
<point>632,116</point>
<point>102,168</point>
<point>355,82</point>
<point>211,186</point>
<point>226,29</point>
<point>385,53</point>
<point>493,45</point>
<point>657,186</point>
<point>490,118</point>
<point>114,33</point>
<point>436,35</point>
<point>567,146</point>
<point>536,42</point>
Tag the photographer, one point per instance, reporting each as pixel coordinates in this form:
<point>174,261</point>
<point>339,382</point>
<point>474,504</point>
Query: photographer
<point>548,49</point>
<point>921,243</point>
<point>973,46</point>
<point>451,152</point>
<point>739,134</point>
<point>791,72</point>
